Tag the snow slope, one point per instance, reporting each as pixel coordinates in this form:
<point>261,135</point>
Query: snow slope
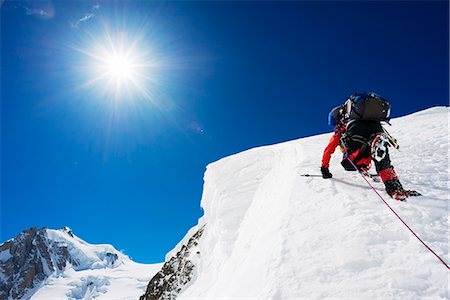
<point>273,234</point>
<point>98,272</point>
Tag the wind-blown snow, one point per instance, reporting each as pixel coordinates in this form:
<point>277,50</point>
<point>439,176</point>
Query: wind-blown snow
<point>273,234</point>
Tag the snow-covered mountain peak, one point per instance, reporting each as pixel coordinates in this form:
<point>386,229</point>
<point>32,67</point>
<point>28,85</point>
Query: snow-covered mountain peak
<point>39,255</point>
<point>84,255</point>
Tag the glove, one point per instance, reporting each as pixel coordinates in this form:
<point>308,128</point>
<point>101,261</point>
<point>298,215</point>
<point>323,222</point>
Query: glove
<point>326,173</point>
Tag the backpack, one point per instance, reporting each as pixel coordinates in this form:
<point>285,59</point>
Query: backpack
<point>367,106</point>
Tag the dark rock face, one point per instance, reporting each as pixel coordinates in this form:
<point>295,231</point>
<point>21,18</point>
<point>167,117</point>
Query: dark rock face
<point>176,273</point>
<point>111,258</point>
<point>27,260</point>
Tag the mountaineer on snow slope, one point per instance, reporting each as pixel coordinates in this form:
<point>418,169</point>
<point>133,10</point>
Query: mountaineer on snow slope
<point>359,133</point>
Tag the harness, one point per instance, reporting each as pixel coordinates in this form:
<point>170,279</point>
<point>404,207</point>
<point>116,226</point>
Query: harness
<point>375,143</point>
<point>362,150</point>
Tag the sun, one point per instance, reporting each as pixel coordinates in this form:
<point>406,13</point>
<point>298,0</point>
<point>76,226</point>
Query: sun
<point>119,67</point>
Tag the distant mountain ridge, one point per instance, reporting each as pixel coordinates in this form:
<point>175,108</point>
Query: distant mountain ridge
<point>37,255</point>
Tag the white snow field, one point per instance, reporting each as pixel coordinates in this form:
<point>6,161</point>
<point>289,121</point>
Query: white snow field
<point>273,234</point>
<point>98,275</point>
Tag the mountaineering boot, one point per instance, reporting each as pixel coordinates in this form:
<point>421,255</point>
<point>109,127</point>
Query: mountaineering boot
<point>393,186</point>
<point>400,195</point>
<point>395,189</point>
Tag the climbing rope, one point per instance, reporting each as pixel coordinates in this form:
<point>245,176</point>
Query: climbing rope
<point>404,223</point>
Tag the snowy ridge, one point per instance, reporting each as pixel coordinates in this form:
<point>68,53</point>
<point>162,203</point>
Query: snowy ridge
<point>85,255</point>
<point>273,234</point>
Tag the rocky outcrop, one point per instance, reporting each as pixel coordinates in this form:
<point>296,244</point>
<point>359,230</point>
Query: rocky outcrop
<point>176,273</point>
<point>27,260</point>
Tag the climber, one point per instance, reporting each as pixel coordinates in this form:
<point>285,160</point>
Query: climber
<point>362,139</point>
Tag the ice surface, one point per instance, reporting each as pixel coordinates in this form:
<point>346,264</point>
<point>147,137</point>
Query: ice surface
<point>273,234</point>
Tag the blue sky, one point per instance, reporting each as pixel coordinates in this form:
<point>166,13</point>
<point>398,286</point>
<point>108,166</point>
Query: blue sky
<point>126,166</point>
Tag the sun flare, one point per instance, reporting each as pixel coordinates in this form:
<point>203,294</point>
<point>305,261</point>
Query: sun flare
<point>119,67</point>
